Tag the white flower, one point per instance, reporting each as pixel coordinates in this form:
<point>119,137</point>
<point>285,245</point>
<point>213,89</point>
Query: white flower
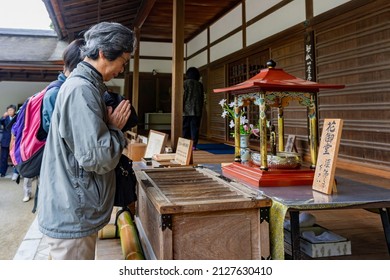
<point>222,102</point>
<point>243,120</point>
<point>228,111</point>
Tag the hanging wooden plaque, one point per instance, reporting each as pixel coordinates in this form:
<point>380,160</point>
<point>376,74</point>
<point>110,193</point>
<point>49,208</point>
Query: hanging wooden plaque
<point>327,156</point>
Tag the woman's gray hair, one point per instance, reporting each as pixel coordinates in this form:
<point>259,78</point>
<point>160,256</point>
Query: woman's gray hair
<point>112,38</point>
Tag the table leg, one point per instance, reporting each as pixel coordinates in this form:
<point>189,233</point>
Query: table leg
<point>386,225</point>
<point>295,235</point>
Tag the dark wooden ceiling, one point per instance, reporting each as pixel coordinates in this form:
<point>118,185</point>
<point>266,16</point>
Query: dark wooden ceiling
<point>154,17</point>
<point>71,18</point>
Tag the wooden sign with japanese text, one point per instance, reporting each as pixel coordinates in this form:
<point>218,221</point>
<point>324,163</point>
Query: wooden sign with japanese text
<point>183,155</point>
<point>327,156</point>
<point>156,143</point>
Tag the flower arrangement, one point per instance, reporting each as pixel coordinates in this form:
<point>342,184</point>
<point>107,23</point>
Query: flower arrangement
<point>245,127</point>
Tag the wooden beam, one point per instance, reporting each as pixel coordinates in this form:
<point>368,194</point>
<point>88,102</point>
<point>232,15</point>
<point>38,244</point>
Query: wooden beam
<point>243,23</point>
<point>177,71</point>
<point>309,10</point>
<point>37,66</point>
<point>55,14</point>
<point>143,13</point>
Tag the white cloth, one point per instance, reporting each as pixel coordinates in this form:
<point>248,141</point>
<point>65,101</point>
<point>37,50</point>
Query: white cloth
<point>305,220</point>
<point>324,237</point>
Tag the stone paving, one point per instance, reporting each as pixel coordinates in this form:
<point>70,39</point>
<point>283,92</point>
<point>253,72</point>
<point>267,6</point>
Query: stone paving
<point>33,246</point>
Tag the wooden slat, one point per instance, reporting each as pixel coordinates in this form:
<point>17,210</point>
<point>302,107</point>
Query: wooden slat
<point>355,51</point>
<point>202,192</point>
<point>217,123</point>
<point>290,57</point>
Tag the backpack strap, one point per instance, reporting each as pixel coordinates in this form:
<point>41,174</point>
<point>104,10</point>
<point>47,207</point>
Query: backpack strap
<point>42,134</point>
<point>55,84</point>
<point>36,197</point>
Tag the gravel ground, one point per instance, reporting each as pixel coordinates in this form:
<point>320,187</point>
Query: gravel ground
<point>15,216</point>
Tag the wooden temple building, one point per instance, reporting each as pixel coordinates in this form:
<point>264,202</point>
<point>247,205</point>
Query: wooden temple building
<point>335,42</point>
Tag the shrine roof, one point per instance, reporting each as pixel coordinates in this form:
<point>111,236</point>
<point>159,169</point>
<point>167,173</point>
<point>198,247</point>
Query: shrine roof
<point>274,79</point>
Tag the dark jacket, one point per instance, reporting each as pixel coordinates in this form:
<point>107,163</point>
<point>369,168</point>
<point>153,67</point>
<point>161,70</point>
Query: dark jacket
<point>6,138</point>
<point>193,98</point>
<point>113,99</point>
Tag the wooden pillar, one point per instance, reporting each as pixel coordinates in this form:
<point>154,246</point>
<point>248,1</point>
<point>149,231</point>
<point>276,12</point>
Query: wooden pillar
<point>177,71</point>
<point>135,95</point>
<point>126,86</point>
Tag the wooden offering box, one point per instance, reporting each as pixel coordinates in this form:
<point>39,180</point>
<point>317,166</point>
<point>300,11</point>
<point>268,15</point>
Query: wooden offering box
<point>191,213</point>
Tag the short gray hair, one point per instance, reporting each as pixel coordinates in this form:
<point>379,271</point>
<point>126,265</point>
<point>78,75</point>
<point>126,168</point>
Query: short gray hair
<point>112,38</point>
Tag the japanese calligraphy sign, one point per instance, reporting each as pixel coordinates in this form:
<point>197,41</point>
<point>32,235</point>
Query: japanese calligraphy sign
<point>183,151</point>
<point>327,156</point>
<point>309,56</point>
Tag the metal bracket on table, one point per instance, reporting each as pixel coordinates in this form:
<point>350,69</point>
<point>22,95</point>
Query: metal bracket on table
<point>384,212</point>
<point>295,235</point>
<point>166,222</point>
<point>264,214</point>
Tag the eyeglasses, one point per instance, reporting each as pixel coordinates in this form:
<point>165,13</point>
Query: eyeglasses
<point>125,61</point>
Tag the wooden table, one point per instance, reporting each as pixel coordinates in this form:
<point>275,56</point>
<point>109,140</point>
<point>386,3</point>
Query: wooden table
<point>350,194</point>
<point>191,213</point>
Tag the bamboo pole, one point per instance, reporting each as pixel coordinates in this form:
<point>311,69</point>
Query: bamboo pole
<point>108,232</point>
<point>125,228</point>
<point>131,246</point>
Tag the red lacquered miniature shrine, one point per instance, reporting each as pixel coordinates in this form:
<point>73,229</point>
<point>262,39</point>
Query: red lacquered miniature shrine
<point>273,87</point>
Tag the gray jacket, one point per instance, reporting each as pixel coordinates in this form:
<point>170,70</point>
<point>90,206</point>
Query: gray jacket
<point>77,178</point>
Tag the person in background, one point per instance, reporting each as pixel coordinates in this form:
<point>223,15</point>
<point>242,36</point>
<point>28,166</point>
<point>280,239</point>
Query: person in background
<point>71,57</point>
<point>5,141</point>
<point>83,147</point>
<point>192,105</point>
<point>27,189</point>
